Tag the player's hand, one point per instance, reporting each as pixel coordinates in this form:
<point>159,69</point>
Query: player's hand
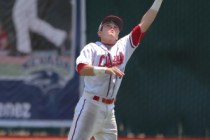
<point>115,71</point>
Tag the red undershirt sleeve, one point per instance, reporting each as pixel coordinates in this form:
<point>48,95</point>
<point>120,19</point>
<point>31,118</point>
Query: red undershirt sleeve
<point>80,66</point>
<point>136,36</point>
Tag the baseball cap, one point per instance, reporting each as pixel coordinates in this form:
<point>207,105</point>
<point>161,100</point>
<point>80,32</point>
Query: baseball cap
<point>112,18</point>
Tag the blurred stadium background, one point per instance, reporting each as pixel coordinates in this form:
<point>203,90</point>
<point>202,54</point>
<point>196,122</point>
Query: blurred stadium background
<point>166,90</point>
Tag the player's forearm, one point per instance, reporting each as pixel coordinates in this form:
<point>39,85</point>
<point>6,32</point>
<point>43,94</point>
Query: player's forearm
<point>89,70</point>
<point>150,15</point>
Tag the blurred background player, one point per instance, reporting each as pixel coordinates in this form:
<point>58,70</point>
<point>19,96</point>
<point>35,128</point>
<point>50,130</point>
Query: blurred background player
<point>102,64</point>
<point>25,18</point>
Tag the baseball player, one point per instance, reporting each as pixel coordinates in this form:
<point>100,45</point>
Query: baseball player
<point>102,64</point>
<point>25,18</point>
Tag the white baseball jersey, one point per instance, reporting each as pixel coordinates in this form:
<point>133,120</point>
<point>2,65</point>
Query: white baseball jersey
<point>93,117</point>
<point>97,54</point>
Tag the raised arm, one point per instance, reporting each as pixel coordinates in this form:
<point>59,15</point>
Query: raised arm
<point>150,15</point>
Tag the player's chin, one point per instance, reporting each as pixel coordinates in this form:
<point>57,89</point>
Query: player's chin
<point>113,36</point>
<point>112,39</point>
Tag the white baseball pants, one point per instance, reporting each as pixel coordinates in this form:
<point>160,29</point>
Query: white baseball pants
<point>93,118</point>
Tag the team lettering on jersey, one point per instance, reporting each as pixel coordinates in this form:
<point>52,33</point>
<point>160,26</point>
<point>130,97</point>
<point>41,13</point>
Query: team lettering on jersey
<point>105,60</point>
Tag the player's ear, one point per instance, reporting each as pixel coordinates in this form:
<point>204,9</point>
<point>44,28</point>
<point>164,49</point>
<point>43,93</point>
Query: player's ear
<point>99,33</point>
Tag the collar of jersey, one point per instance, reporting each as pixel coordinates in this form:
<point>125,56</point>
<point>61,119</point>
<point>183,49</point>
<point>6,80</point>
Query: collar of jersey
<point>102,46</point>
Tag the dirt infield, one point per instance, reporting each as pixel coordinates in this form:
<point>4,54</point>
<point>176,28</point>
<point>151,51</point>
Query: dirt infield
<point>64,138</point>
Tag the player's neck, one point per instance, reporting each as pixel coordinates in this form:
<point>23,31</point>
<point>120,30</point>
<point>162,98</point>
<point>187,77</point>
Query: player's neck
<point>108,44</point>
